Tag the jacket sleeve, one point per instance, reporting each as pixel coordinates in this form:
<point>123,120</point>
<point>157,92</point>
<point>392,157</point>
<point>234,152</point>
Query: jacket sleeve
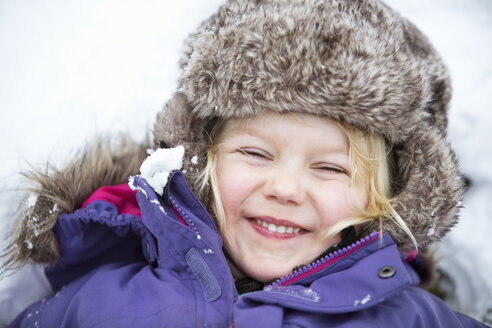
<point>96,234</point>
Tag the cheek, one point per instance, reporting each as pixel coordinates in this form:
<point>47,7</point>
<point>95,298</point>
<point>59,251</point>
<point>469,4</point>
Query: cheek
<point>360,199</point>
<point>232,187</point>
<point>341,204</point>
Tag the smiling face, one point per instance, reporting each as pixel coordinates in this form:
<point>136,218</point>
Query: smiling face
<point>284,180</point>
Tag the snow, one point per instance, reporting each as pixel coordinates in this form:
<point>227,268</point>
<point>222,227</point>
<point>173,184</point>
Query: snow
<point>29,244</point>
<point>363,301</point>
<point>431,230</point>
<point>155,169</point>
<point>31,200</point>
<point>75,69</point>
<point>296,291</point>
<point>131,184</point>
<point>53,210</point>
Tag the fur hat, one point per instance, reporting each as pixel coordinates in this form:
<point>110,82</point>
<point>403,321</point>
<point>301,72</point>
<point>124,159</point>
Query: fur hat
<point>354,61</point>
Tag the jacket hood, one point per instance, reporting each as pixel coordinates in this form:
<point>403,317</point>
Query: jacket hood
<point>358,62</point>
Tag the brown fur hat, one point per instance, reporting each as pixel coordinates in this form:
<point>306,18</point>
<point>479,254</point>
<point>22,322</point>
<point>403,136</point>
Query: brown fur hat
<point>354,61</point>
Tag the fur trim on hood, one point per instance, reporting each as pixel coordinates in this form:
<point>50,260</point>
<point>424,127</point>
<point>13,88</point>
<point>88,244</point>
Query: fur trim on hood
<point>55,191</point>
<point>353,61</point>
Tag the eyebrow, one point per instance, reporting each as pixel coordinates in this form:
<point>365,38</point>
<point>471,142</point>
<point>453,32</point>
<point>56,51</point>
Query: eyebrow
<point>234,131</point>
<point>341,150</point>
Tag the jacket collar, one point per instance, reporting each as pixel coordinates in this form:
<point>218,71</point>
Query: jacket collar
<point>177,209</point>
<point>363,278</point>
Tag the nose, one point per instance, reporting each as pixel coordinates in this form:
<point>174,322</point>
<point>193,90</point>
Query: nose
<point>284,184</point>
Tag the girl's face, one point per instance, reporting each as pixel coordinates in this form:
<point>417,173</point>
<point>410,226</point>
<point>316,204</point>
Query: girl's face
<point>284,180</point>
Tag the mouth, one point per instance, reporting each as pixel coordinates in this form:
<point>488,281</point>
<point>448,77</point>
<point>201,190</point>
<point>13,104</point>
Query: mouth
<point>271,228</point>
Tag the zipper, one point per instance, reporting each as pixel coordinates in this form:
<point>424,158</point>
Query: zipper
<point>183,217</point>
<point>322,263</point>
<point>300,273</point>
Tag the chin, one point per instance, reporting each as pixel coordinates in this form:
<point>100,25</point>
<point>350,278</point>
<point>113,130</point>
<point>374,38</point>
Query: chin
<point>268,275</point>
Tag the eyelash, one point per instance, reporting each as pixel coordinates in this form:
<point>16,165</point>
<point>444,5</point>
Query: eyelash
<point>251,153</point>
<point>332,169</point>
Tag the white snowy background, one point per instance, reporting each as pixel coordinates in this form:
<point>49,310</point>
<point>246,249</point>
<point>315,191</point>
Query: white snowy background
<point>72,69</point>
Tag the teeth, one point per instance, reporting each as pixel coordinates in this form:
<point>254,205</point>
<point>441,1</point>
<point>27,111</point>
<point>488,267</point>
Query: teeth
<point>279,229</point>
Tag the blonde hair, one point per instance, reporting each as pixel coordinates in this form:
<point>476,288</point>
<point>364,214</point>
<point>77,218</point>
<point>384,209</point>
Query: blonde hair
<point>371,172</point>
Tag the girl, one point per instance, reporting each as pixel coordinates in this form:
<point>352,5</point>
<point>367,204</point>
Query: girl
<point>313,133</point>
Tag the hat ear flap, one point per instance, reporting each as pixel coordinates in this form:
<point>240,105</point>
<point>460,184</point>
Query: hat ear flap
<point>172,125</point>
<point>428,191</point>
<point>177,125</point>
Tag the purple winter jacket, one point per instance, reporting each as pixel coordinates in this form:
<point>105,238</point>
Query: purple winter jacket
<point>167,269</point>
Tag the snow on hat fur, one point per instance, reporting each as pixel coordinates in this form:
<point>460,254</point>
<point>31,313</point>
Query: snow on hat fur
<point>358,62</point>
